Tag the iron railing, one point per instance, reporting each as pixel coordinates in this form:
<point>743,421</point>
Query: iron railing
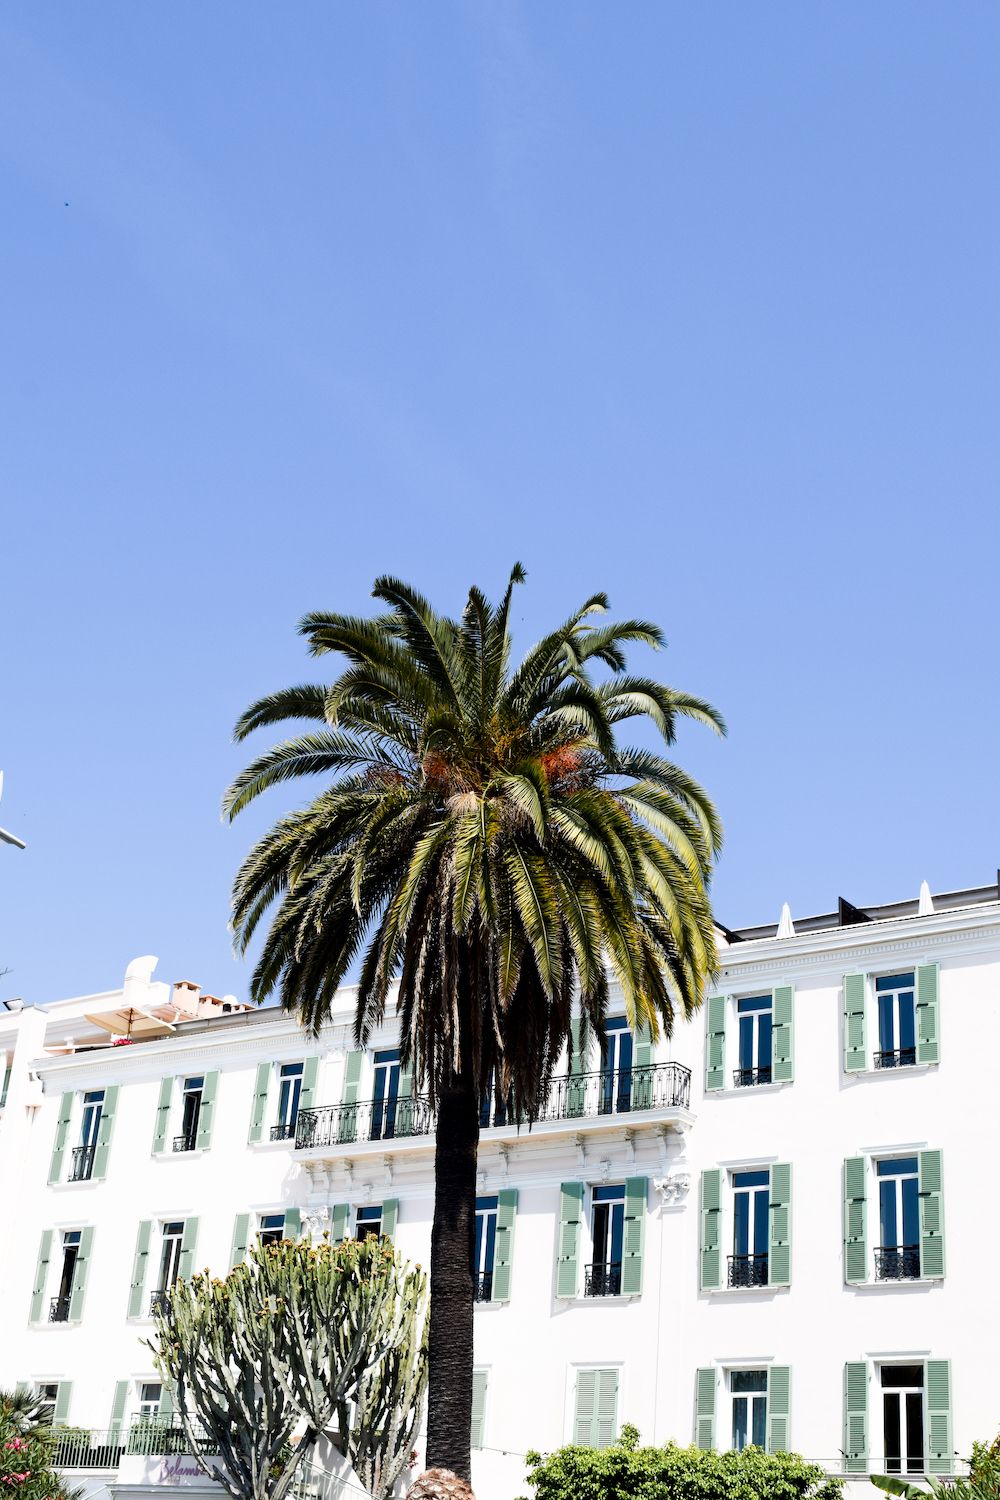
<point>159,1302</point>
<point>603,1279</point>
<point>482,1286</point>
<point>897,1263</point>
<point>748,1078</point>
<point>283,1132</point>
<point>59,1309</point>
<point>748,1270</point>
<point>83,1163</point>
<point>579,1096</point>
<point>901,1057</point>
<point>186,1142</point>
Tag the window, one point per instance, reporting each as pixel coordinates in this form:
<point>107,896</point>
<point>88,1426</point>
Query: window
<point>272,1229</point>
<point>897,1037</point>
<point>903,1418</point>
<point>484,1252</point>
<point>192,1091</point>
<point>494,1108</point>
<point>603,1277</point>
<point>48,1394</point>
<point>385,1095</point>
<point>369,1222</point>
<point>595,1416</point>
<point>90,1124</point>
<point>754,1017</point>
<point>150,1393</point>
<point>751,1208</point>
<point>289,1099</point>
<point>749,1393</point>
<point>898,1255</point>
<point>170,1261</point>
<point>616,1068</point>
<point>59,1308</point>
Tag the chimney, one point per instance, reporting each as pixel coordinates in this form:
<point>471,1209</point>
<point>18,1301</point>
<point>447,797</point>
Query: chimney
<point>185,996</point>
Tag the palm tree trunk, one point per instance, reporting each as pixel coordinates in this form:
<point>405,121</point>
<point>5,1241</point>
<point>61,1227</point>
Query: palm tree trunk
<point>449,1389</point>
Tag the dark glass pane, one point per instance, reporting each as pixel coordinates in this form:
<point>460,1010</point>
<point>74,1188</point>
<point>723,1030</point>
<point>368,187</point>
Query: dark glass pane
<point>740,1423</point>
<point>914,1432</point>
<point>890,1423</point>
<point>617,1232</point>
<point>764,1042</point>
<point>759,1430</point>
<point>760,1223</point>
<point>486,1202</point>
<point>907,1030</point>
<point>753,1381</point>
<point>600,1233</point>
<point>897,1376</point>
<point>895,981</point>
<point>911,1212</point>
<point>752,1179</point>
<point>746,1041</point>
<point>887,1214</point>
<point>741,1224</point>
<point>886,1029</point>
<point>897,1166</point>
<point>753,1004</point>
<point>616,1023</point>
<point>609,1194</point>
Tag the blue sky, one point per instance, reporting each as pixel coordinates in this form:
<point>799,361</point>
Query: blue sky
<point>694,303</point>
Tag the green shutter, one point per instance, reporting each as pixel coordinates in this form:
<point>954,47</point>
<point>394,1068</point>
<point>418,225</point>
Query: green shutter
<point>779,1394</point>
<point>783,1036</point>
<point>642,1067</point>
<point>710,1259</point>
<point>715,1042</point>
<point>390,1213</point>
<point>606,1426</point>
<point>570,1215</point>
<point>856,1417</point>
<point>404,1102</point>
<point>241,1236</point>
<point>478,1408</point>
<point>80,1274</point>
<point>38,1309</point>
<point>310,1072</point>
<point>930,1186</point>
<point>259,1103</point>
<point>927,1013</point>
<point>189,1244</point>
<point>293,1223</point>
<point>206,1114</point>
<point>162,1125</point>
<point>576,1088</point>
<point>940,1457</point>
<point>166,1407</point>
<point>4,1089</point>
<point>62,1131</point>
<point>779,1259</point>
<point>503,1253</point>
<point>60,1412</point>
<point>635,1224</point>
<point>104,1129</point>
<point>855,1053</point>
<point>137,1290</point>
<point>855,1219</point>
<point>586,1406</point>
<point>118,1411</point>
<point>339,1216</point>
<point>704,1409</point>
<point>404,1089</point>
<point>352,1077</point>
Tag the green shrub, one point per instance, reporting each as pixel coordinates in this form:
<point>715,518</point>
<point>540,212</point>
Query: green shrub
<point>627,1472</point>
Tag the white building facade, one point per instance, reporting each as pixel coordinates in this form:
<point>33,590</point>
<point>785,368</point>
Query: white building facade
<point>772,1228</point>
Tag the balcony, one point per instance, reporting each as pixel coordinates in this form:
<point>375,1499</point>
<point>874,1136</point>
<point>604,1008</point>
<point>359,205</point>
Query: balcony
<point>482,1286</point>
<point>747,1270</point>
<point>159,1302</point>
<point>577,1097</point>
<point>59,1310</point>
<point>186,1142</point>
<point>603,1279</point>
<point>83,1163</point>
<point>897,1263</point>
<point>902,1057</point>
<point>78,1448</point>
<point>748,1078</point>
<point>283,1132</point>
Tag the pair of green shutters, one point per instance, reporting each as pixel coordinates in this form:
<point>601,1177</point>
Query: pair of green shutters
<point>782,1037</point>
<point>855,1018</point>
<point>571,1197</point>
<point>206,1113</point>
<point>81,1273</point>
<point>262,1087</point>
<point>938,1456</point>
<point>779,1258</point>
<point>930,1191</point>
<point>140,1262</point>
<point>595,1417</point>
<point>102,1148</point>
<point>779,1395</point>
<point>164,1415</point>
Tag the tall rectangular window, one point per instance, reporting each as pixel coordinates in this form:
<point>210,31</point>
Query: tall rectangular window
<point>150,1395</point>
<point>754,1018</point>
<point>59,1307</point>
<point>90,1125</point>
<point>385,1094</point>
<point>616,1068</point>
<point>369,1222</point>
<point>485,1248</point>
<point>170,1263</point>
<point>897,1034</point>
<point>191,1095</point>
<point>289,1098</point>
<point>272,1229</point>
<point>751,1209</point>
<point>903,1418</point>
<point>898,1255</point>
<point>603,1277</point>
<point>749,1392</point>
<point>48,1393</point>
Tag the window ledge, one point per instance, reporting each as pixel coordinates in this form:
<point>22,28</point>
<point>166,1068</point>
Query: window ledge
<point>900,1285</point>
<point>579,1301</point>
<point>45,1325</point>
<point>178,1155</point>
<point>902,1072</point>
<point>744,1291</point>
<point>731,1092</point>
<point>81,1182</point>
<point>288,1143</point>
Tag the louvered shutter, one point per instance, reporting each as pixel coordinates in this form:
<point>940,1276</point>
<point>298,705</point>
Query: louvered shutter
<point>710,1258</point>
<point>38,1309</point>
<point>339,1217</point>
<point>206,1114</point>
<point>606,1426</point>
<point>140,1262</point>
<point>642,1068</point>
<point>347,1129</point>
<point>60,1414</point>
<point>927,1014</point>
<point>856,1417</point>
<point>855,1051</point>
<point>635,1223</point>
<point>570,1215</point>
<point>586,1407</point>
<point>310,1073</point>
<point>62,1131</point>
<point>241,1238</point>
<point>390,1213</point>
<point>260,1091</point>
<point>162,1125</point>
<point>104,1129</point>
<point>293,1223</point>
<point>165,1412</point>
<point>503,1250</point>
<point>81,1273</point>
<point>715,1042</point>
<point>783,1035</point>
<point>855,1220</point>
<point>940,1457</point>
<point>189,1246</point>
<point>576,1087</point>
<point>118,1405</point>
<point>779,1395</point>
<point>704,1409</point>
<point>479,1378</point>
<point>931,1190</point>
<point>779,1259</point>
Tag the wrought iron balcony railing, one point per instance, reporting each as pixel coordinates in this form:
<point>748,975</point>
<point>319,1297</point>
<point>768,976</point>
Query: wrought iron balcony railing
<point>80,1448</point>
<point>603,1279</point>
<point>59,1310</point>
<point>897,1263</point>
<point>902,1057</point>
<point>579,1096</point>
<point>285,1131</point>
<point>748,1270</point>
<point>186,1142</point>
<point>159,1302</point>
<point>482,1286</point>
<point>83,1163</point>
<point>747,1078</point>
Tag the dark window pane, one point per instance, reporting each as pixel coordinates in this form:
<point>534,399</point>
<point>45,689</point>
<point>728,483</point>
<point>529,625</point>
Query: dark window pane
<point>752,1179</point>
<point>914,1432</point>
<point>748,1380</point>
<point>764,1043</point>
<point>759,1430</point>
<point>741,1224</point>
<point>746,1041</point>
<point>740,1423</point>
<point>895,981</point>
<point>760,1223</point>
<point>911,1212</point>
<point>890,1421</point>
<point>886,1018</point>
<point>897,1166</point>
<point>902,1376</point>
<point>907,1031</point>
<point>887,1214</point>
<point>753,1004</point>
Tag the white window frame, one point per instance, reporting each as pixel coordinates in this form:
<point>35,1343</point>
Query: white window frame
<point>279,1081</point>
<point>139,1414</point>
<point>178,1243</point>
<point>878,1460</point>
<point>873,1011</point>
<point>733,1029</point>
<point>270,1213</point>
<point>749,1396</point>
<point>360,1223</point>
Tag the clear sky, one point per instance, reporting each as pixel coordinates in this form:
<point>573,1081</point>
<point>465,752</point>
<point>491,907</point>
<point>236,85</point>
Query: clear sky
<point>696,303</point>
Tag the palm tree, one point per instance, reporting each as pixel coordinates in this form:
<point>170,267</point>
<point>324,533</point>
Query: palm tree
<point>485,844</point>
<point>23,1408</point>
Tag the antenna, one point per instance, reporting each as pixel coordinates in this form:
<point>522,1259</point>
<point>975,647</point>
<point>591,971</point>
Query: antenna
<point>9,838</point>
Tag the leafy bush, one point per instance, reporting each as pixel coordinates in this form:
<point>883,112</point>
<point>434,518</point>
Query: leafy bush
<point>627,1472</point>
